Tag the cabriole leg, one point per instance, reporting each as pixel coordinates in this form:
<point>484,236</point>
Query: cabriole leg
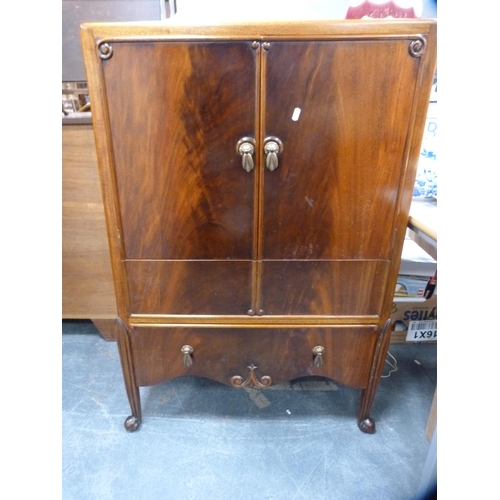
<point>133,422</point>
<point>365,422</point>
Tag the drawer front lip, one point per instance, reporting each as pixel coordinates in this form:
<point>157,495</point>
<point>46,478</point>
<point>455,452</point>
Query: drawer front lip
<point>227,355</point>
<point>245,321</point>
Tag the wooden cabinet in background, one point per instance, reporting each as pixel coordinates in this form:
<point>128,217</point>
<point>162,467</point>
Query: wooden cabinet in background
<point>257,189</point>
<point>87,280</point>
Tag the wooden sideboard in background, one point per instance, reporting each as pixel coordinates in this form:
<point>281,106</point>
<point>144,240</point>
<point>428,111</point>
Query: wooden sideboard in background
<point>87,281</point>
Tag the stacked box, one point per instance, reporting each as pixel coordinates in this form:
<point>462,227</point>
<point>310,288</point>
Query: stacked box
<point>414,320</point>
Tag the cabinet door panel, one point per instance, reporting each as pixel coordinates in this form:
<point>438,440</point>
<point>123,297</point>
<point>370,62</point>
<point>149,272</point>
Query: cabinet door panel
<point>189,287</point>
<point>175,123</point>
<point>335,189</point>
<point>343,288</point>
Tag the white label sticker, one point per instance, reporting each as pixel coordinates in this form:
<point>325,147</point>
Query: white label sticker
<point>296,114</point>
<point>421,331</point>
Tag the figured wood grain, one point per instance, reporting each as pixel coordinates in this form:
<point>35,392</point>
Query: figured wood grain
<point>337,288</point>
<point>316,288</point>
<point>282,354</point>
<point>189,287</point>
<point>342,160</point>
<point>87,282</point>
<point>354,153</point>
<point>175,123</point>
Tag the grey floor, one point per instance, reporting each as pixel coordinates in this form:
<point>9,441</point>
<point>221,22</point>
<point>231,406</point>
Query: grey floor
<point>202,440</point>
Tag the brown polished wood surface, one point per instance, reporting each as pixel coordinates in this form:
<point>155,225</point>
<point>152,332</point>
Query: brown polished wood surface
<point>189,287</point>
<point>282,354</point>
<point>87,281</point>
<point>342,159</point>
<point>183,193</point>
<point>248,272</point>
<point>336,288</point>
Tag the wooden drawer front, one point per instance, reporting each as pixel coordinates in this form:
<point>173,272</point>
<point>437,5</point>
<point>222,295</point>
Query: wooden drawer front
<point>281,354</point>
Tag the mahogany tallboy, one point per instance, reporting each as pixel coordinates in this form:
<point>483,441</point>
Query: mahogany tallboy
<point>257,181</point>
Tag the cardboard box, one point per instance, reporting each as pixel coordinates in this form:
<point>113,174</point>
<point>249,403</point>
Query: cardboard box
<point>411,286</point>
<point>415,261</point>
<point>416,269</point>
<point>414,320</point>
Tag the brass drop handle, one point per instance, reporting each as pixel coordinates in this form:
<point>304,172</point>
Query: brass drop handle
<point>272,148</point>
<point>246,148</point>
<point>187,351</point>
<point>318,352</point>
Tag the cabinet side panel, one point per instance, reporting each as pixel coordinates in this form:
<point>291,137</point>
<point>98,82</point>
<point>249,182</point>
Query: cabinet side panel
<point>177,111</point>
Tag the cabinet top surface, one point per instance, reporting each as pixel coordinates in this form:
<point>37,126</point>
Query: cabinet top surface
<point>271,29</point>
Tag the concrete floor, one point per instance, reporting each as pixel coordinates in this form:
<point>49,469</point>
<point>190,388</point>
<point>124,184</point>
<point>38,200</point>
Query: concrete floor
<point>203,440</point>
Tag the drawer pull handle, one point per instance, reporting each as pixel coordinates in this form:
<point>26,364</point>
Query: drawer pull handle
<point>187,351</point>
<point>252,380</point>
<point>318,352</point>
<point>246,148</point>
<point>272,148</point>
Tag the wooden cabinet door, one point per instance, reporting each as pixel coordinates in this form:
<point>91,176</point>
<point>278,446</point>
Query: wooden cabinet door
<point>177,110</point>
<point>342,110</point>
